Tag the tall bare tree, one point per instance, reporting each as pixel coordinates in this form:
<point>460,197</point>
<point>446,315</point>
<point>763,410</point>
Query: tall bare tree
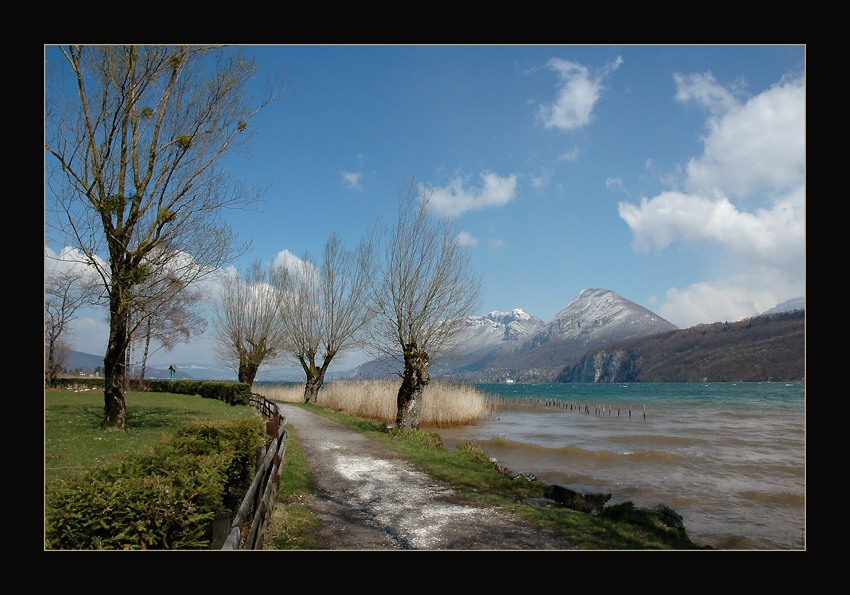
<point>248,326</point>
<point>136,136</point>
<point>423,289</point>
<point>66,289</point>
<point>322,308</point>
<point>165,317</point>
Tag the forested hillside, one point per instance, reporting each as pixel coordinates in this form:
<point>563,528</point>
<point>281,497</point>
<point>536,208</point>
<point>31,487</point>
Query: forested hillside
<point>771,347</point>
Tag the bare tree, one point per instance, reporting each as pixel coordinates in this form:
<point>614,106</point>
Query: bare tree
<point>66,289</point>
<point>166,318</point>
<point>61,352</point>
<point>322,309</point>
<point>137,141</point>
<point>421,293</point>
<point>248,326</point>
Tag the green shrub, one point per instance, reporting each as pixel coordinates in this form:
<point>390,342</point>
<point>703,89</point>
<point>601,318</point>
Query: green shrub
<point>166,499</point>
<point>234,393</point>
<point>239,440</point>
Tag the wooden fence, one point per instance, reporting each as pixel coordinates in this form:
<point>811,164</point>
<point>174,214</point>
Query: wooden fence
<point>602,409</point>
<point>248,529</point>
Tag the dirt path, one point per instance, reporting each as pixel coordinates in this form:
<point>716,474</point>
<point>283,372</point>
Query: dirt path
<point>369,498</point>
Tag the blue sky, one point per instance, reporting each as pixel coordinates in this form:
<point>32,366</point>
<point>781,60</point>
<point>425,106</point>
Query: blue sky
<point>672,175</point>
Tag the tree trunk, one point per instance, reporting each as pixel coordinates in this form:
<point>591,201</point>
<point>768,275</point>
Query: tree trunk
<point>315,379</point>
<point>247,372</point>
<point>145,356</point>
<point>50,372</point>
<point>413,383</point>
<point>114,370</point>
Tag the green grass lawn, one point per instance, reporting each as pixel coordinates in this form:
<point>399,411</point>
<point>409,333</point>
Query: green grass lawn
<point>74,442</point>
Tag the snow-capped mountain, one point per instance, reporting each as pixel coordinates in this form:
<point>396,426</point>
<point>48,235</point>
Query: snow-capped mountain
<point>595,317</point>
<point>499,328</point>
<point>798,303</point>
<point>500,345</point>
<point>601,316</point>
<point>486,338</point>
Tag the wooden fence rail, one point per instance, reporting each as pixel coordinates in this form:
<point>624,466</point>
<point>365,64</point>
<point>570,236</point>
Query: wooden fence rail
<point>248,527</point>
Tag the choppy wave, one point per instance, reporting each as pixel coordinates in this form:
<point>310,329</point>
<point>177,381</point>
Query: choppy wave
<point>729,457</point>
<point>571,453</point>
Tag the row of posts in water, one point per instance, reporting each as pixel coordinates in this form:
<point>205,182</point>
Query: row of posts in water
<point>598,409</point>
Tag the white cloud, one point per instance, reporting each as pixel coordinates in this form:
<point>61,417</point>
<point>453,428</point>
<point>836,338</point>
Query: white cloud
<point>351,180</point>
<point>743,204</point>
<point>767,236</point>
<point>730,299</point>
<point>286,259</point>
<point>293,264</point>
<point>464,238</point>
<point>495,243</point>
<point>703,89</point>
<point>71,260</point>
<point>570,155</point>
<point>754,147</point>
<point>454,200</point>
<point>578,93</point>
<point>542,180</point>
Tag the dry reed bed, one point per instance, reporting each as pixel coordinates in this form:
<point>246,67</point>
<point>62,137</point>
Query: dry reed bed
<point>443,404</point>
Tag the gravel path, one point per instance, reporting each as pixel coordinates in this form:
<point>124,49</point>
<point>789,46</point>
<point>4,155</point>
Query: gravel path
<point>369,498</point>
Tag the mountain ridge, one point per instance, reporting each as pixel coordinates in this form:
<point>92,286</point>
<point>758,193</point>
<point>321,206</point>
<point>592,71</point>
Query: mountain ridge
<point>769,347</point>
<point>493,346</point>
<point>515,344</point>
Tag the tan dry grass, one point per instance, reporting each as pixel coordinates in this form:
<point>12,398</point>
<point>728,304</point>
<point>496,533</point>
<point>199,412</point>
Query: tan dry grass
<point>443,404</point>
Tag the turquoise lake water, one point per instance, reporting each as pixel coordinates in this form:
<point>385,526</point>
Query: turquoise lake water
<point>729,457</point>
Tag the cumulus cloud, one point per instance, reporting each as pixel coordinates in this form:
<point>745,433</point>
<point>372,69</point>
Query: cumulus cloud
<point>464,238</point>
<point>351,180</point>
<point>744,197</point>
<point>454,200</point>
<point>295,265</point>
<point>729,299</point>
<point>71,260</point>
<point>578,93</point>
<point>752,147</point>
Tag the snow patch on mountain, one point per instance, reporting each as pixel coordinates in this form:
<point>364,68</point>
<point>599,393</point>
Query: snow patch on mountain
<point>798,303</point>
<point>495,327</point>
<point>600,314</point>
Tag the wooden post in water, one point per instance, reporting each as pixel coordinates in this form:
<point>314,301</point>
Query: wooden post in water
<point>644,411</point>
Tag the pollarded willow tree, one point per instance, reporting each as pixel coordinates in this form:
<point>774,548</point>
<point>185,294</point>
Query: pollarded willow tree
<point>423,290</point>
<point>248,326</point>
<point>135,137</point>
<point>322,308</point>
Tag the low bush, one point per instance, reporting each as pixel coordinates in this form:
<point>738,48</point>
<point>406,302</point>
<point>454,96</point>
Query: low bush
<point>233,393</point>
<point>165,499</point>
